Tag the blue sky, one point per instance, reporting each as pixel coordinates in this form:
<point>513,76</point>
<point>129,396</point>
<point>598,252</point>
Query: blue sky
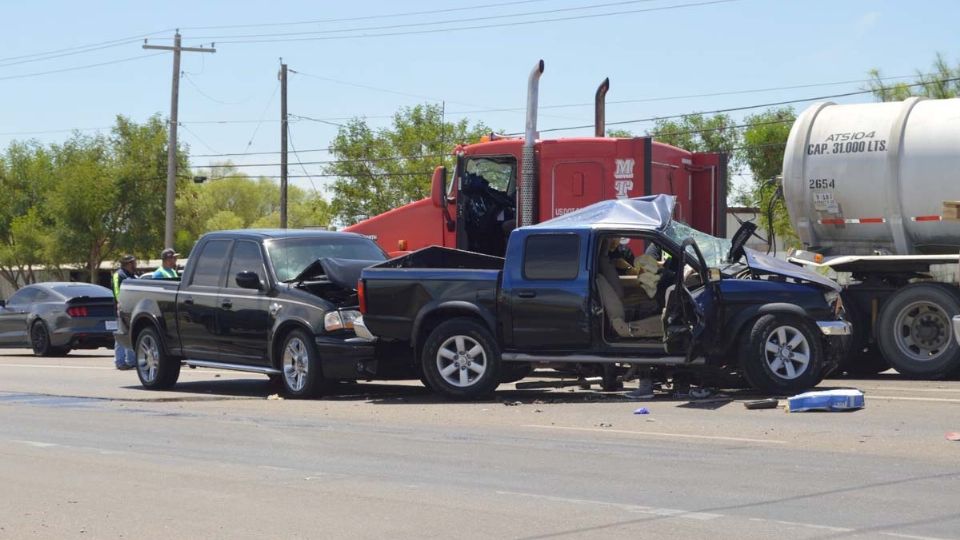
<point>679,48</point>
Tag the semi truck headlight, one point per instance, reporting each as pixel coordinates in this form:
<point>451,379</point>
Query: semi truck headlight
<point>341,319</point>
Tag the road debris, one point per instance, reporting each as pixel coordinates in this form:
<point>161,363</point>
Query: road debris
<point>848,399</point>
<point>953,436</point>
<point>642,410</point>
<point>769,403</point>
<point>274,397</point>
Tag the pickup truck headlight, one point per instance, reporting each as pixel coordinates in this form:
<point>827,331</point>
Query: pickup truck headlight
<point>342,319</point>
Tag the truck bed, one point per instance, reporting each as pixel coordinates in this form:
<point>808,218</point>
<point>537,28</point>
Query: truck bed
<point>396,291</point>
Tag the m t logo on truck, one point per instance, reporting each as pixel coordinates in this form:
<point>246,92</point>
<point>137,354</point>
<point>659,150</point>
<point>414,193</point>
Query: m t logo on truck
<point>623,182</point>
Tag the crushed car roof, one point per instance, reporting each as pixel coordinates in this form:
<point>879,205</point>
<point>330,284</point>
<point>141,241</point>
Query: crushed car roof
<point>641,213</point>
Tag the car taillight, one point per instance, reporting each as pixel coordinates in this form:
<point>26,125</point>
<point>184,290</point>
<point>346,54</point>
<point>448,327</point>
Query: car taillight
<point>361,296</point>
<point>77,312</point>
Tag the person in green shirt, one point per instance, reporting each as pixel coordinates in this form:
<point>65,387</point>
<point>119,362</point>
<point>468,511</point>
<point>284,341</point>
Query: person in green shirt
<point>123,358</point>
<point>168,265</point>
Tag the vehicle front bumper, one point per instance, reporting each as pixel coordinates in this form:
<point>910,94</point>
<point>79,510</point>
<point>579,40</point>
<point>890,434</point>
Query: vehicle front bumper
<point>836,328</point>
<point>956,327</point>
<point>344,357</point>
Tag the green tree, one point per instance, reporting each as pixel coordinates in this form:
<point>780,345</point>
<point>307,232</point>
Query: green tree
<point>26,174</point>
<point>381,169</point>
<point>764,142</point>
<point>942,81</point>
<point>700,133</point>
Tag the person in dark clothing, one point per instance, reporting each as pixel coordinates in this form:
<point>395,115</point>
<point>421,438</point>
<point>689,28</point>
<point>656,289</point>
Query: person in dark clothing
<point>123,358</point>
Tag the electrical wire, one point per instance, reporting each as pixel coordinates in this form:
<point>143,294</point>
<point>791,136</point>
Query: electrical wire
<point>297,155</point>
<point>318,120</point>
<point>743,108</point>
<point>483,26</point>
<point>331,161</point>
<point>430,23</point>
<point>255,153</point>
<point>77,68</point>
<point>80,48</point>
<point>365,17</point>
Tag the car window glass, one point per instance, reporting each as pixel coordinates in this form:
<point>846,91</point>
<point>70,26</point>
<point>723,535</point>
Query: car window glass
<point>82,289</point>
<point>551,256</point>
<point>211,263</point>
<point>25,295</point>
<point>246,258</point>
<point>42,296</point>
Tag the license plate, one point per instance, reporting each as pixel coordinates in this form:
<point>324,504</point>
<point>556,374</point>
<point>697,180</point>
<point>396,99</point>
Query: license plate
<point>110,325</point>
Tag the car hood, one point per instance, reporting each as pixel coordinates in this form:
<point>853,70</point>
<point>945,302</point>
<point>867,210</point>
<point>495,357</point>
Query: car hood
<point>766,264</point>
<point>341,272</point>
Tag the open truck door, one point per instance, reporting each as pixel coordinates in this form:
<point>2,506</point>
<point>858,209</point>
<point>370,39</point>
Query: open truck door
<point>690,313</point>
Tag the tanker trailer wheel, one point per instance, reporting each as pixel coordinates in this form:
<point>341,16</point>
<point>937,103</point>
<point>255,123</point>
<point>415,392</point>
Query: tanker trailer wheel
<point>914,330</point>
<point>461,359</point>
<point>863,359</point>
<point>782,354</point>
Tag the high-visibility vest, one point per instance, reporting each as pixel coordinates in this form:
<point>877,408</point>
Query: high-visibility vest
<point>118,278</point>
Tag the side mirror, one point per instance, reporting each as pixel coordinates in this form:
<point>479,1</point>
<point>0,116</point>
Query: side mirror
<point>249,280</point>
<point>438,188</point>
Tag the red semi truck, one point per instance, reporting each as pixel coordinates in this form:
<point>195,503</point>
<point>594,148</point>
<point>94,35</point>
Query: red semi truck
<point>504,182</point>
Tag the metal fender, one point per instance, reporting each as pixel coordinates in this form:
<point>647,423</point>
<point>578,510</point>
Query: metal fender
<point>452,305</point>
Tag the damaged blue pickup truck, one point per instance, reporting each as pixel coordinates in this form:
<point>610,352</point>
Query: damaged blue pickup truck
<point>562,297</point>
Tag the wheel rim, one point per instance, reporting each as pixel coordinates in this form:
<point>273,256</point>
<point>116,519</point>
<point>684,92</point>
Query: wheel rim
<point>787,352</point>
<point>148,358</point>
<point>922,331</point>
<point>296,364</point>
<point>38,337</point>
<point>461,361</point>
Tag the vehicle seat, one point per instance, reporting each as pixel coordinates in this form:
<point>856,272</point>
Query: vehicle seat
<point>613,306</point>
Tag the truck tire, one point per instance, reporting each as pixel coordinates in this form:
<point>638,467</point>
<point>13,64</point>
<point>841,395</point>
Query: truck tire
<point>156,369</point>
<point>782,354</point>
<point>300,366</point>
<point>461,359</point>
<point>915,333</point>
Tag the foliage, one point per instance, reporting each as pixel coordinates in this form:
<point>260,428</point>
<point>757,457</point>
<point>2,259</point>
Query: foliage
<point>26,172</point>
<point>700,133</point>
<point>942,81</point>
<point>764,142</point>
<point>381,169</point>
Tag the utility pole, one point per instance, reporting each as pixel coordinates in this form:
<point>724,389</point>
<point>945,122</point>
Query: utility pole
<point>283,145</point>
<point>172,144</point>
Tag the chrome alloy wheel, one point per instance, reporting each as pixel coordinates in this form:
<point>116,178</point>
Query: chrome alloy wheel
<point>296,364</point>
<point>461,361</point>
<point>148,358</point>
<point>787,352</point>
<point>922,331</point>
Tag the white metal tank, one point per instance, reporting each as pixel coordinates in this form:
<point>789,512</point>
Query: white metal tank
<point>872,177</point>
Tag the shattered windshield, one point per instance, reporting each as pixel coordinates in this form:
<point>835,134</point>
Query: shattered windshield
<point>714,249</point>
<point>291,256</point>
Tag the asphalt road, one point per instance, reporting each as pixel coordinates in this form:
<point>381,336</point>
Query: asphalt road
<point>86,453</point>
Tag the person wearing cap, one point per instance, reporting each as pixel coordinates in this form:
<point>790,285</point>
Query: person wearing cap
<point>168,265</point>
<point>123,358</point>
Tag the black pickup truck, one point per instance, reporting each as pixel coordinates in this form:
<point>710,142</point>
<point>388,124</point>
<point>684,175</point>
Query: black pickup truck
<point>275,302</point>
<point>692,302</point>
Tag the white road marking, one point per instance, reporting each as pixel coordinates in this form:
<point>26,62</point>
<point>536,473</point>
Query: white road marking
<point>911,536</point>
<point>37,444</point>
<point>807,525</point>
<point>662,434</point>
<point>50,366</point>
<point>905,398</point>
<point>901,389</point>
<point>667,512</point>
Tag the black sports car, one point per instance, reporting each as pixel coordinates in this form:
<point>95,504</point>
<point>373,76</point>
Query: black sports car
<point>53,318</point>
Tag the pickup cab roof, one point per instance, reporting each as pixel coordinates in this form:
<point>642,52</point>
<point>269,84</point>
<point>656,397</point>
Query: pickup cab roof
<point>648,213</point>
<point>264,234</point>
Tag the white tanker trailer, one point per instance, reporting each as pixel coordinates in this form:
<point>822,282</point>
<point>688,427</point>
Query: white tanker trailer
<point>873,191</point>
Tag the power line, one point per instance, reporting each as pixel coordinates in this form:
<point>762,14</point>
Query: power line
<point>484,26</point>
<point>86,48</point>
<point>263,115</point>
<point>208,96</point>
<point>255,153</point>
<point>735,109</point>
<point>318,120</point>
<point>297,155</point>
<point>77,68</point>
<point>433,23</point>
<point>327,162</point>
<point>366,17</point>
